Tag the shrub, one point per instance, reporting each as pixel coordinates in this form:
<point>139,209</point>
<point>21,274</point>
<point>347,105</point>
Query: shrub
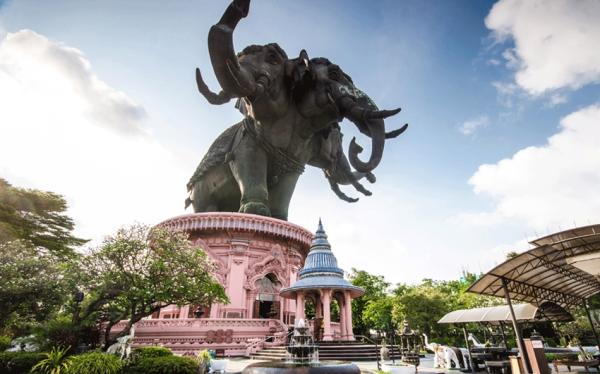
<point>18,362</point>
<point>95,363</point>
<point>5,341</point>
<point>61,331</point>
<point>149,352</point>
<point>55,362</point>
<point>163,365</point>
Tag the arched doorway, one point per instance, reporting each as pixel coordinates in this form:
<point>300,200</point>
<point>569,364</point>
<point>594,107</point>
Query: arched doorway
<point>266,304</point>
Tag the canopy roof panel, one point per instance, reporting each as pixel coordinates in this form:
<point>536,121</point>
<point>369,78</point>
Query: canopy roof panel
<point>495,314</point>
<point>545,273</point>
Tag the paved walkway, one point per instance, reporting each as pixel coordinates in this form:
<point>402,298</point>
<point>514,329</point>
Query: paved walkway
<point>236,365</point>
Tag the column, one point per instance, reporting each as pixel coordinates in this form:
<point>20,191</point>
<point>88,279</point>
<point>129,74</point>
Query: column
<point>318,307</point>
<point>343,329</point>
<point>214,311</point>
<point>348,309</point>
<point>518,338</point>
<point>299,306</point>
<point>327,315</point>
<point>184,311</point>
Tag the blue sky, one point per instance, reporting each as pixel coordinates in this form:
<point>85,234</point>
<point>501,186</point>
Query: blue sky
<point>480,83</point>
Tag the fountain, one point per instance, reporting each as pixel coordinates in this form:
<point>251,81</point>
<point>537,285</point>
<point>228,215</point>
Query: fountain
<point>303,358</point>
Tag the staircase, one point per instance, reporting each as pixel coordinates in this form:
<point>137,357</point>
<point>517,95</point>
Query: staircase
<point>339,351</point>
<point>270,354</point>
<point>353,351</point>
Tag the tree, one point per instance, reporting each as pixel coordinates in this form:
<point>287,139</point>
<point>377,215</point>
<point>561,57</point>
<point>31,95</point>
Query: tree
<point>139,270</point>
<point>37,217</point>
<point>375,288</point>
<point>378,313</point>
<point>34,284</point>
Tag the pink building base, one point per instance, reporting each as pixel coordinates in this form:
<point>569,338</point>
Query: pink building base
<point>256,257</point>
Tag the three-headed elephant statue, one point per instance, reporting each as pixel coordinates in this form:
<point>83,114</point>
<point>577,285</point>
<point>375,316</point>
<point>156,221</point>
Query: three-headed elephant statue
<point>292,108</point>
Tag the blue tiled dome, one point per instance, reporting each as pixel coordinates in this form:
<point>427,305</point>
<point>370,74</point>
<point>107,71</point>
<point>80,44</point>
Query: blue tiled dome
<point>320,269</point>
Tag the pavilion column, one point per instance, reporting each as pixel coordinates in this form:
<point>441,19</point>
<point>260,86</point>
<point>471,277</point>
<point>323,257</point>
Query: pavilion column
<point>318,307</point>
<point>343,329</point>
<point>518,336</point>
<point>327,315</point>
<point>348,314</point>
<point>299,306</point>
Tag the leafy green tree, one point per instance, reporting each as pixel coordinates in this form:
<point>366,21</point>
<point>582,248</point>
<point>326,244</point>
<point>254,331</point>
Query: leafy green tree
<point>139,270</point>
<point>375,288</point>
<point>37,217</point>
<point>34,283</point>
<point>378,313</point>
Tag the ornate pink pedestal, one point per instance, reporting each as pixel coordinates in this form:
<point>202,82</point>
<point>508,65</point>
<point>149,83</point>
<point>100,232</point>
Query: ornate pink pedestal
<point>256,257</point>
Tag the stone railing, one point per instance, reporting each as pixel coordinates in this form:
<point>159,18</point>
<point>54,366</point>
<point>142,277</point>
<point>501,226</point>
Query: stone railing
<point>239,222</point>
<point>235,337</point>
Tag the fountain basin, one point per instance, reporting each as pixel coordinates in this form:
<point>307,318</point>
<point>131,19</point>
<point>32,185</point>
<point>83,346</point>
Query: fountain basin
<point>276,367</point>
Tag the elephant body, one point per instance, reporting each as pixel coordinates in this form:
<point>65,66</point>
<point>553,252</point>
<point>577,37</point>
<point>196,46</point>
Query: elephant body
<point>292,109</point>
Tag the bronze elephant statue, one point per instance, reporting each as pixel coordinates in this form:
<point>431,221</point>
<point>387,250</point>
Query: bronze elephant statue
<point>292,109</point>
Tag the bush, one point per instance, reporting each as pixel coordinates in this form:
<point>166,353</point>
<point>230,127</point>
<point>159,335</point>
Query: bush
<point>163,365</point>
<point>5,341</point>
<point>61,331</point>
<point>18,362</point>
<point>95,363</point>
<point>149,352</point>
<point>55,362</point>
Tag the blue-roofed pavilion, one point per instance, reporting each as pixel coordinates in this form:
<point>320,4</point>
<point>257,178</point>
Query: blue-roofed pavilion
<point>323,281</point>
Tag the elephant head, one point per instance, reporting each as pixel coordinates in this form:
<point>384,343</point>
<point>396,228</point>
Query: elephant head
<point>260,76</point>
<point>326,88</point>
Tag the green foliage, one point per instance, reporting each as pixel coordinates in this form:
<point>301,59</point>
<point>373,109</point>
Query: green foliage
<point>421,305</point>
<point>55,362</point>
<point>33,286</point>
<point>163,365</point>
<point>137,271</point>
<point>204,357</point>
<point>18,362</point>
<point>375,288</point>
<point>36,217</point>
<point>378,313</point>
<point>143,353</point>
<point>61,331</point>
<point>5,342</point>
<point>95,363</point>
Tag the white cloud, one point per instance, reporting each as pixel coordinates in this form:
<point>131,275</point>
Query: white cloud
<point>556,41</point>
<point>551,185</point>
<point>469,127</point>
<point>65,130</point>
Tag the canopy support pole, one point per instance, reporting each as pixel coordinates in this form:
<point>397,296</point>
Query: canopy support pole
<point>471,363</point>
<point>503,334</point>
<point>518,336</point>
<point>589,316</point>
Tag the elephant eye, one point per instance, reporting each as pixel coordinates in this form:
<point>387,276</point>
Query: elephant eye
<point>272,59</point>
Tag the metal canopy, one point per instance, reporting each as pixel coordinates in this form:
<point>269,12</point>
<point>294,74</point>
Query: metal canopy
<point>497,314</point>
<point>545,273</point>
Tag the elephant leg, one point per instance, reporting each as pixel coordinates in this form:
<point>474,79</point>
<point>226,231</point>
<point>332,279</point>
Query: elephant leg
<point>249,168</point>
<point>207,192</point>
<point>280,195</point>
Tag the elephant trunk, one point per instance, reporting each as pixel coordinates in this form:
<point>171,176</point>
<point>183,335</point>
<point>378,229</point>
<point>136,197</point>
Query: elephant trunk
<point>363,112</point>
<point>233,78</point>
